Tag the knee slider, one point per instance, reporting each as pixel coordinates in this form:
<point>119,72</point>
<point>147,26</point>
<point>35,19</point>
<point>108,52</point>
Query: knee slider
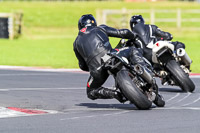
<point>90,94</point>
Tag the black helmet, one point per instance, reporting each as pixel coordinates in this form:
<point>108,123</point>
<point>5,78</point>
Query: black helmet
<point>86,20</point>
<point>135,20</point>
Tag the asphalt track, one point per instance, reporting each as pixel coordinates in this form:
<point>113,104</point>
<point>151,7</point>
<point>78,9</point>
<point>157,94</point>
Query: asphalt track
<point>56,102</point>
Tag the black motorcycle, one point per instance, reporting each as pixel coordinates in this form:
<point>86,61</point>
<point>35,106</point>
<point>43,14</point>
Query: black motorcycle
<point>135,83</point>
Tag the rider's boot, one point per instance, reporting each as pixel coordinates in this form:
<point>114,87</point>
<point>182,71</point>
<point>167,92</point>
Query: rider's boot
<point>105,93</point>
<point>159,101</point>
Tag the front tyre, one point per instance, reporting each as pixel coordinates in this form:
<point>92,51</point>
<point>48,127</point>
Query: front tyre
<point>131,91</point>
<point>180,77</point>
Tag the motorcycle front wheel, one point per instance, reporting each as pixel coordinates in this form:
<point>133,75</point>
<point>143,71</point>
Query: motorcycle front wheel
<point>131,91</point>
<point>180,77</point>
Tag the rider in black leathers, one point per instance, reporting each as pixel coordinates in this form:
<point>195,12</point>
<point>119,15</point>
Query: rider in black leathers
<point>148,35</point>
<point>90,45</point>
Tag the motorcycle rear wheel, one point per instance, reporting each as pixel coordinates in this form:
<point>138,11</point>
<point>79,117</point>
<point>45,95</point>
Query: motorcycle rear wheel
<point>131,91</point>
<point>180,77</point>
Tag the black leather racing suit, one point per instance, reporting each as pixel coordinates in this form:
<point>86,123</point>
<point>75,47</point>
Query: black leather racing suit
<point>90,45</point>
<point>148,35</point>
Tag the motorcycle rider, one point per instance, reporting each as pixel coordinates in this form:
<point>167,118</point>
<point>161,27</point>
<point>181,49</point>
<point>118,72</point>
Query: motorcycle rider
<point>148,35</point>
<point>91,44</point>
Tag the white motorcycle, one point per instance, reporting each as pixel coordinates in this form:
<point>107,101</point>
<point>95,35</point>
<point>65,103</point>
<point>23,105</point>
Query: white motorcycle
<point>172,67</point>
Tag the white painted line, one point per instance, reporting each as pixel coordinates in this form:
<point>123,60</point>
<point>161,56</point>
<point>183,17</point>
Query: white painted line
<point>4,90</point>
<point>119,113</point>
<point>191,102</point>
<point>179,108</point>
<point>173,97</point>
<point>36,89</point>
<point>23,68</point>
<point>95,109</point>
<point>31,74</point>
<point>195,76</point>
<point>107,114</point>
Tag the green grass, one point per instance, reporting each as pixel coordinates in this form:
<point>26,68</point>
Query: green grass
<point>49,29</point>
<point>49,53</point>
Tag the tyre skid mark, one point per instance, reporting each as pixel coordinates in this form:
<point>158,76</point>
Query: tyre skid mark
<point>94,116</point>
<point>196,100</point>
<point>188,94</point>
<point>124,112</point>
<point>173,97</point>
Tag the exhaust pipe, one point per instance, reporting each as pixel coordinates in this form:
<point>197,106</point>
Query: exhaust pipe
<point>184,56</point>
<point>143,73</point>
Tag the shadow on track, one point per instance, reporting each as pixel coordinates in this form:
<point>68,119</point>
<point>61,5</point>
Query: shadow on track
<point>175,90</point>
<point>110,106</point>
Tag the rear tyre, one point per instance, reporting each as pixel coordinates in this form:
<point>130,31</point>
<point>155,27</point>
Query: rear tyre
<point>131,91</point>
<point>180,77</point>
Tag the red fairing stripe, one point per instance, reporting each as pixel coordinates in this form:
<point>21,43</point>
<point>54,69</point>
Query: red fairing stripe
<point>27,111</point>
<point>117,49</point>
<point>88,85</point>
<point>157,44</point>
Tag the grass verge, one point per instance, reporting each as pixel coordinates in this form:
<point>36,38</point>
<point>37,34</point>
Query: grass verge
<point>51,27</point>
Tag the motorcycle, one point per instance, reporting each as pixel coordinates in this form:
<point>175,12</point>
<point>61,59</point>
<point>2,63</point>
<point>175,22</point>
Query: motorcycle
<point>171,66</point>
<point>135,83</point>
